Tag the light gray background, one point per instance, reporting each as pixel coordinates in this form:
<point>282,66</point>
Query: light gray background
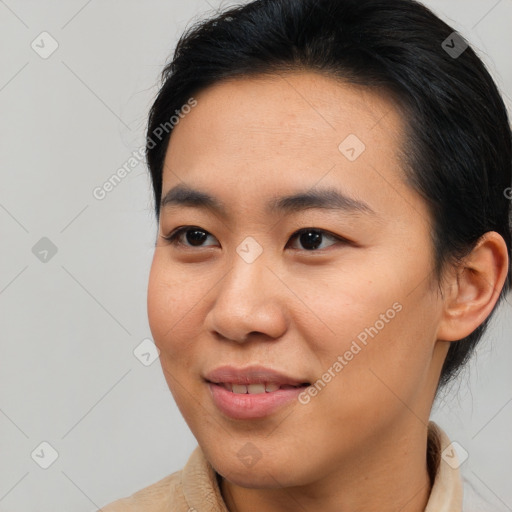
<point>70,325</point>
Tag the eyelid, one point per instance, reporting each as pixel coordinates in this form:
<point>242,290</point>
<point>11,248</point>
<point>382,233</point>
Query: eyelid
<point>325,234</point>
<point>172,237</point>
<point>175,233</point>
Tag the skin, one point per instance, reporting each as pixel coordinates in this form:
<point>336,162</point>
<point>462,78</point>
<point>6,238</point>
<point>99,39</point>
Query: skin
<point>359,444</point>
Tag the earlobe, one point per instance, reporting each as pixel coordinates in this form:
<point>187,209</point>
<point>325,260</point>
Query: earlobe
<point>475,287</point>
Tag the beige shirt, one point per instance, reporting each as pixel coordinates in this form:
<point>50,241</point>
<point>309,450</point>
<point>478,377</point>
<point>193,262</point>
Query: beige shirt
<point>195,487</point>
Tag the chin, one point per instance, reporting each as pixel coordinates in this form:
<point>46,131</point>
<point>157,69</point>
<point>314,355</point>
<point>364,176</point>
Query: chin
<point>266,472</point>
<point>252,478</point>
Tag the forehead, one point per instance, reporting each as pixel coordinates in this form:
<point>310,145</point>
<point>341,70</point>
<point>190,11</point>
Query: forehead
<point>298,104</point>
<point>285,131</point>
<point>286,111</point>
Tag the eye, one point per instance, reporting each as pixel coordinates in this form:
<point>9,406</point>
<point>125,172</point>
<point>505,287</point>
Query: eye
<point>194,236</point>
<point>312,238</point>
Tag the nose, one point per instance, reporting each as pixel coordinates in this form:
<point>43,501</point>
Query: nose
<point>249,303</point>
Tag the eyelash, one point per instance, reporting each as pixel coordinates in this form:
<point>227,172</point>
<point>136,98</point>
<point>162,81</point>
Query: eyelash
<point>174,235</point>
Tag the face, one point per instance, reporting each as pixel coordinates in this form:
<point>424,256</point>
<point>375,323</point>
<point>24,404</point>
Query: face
<point>296,335</point>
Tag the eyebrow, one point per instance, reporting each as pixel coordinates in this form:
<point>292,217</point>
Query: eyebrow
<point>327,198</point>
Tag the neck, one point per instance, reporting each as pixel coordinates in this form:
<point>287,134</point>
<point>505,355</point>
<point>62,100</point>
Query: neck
<point>387,476</point>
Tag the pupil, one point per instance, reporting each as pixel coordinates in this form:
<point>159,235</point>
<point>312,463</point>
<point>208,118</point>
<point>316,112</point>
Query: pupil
<point>195,236</point>
<point>311,239</point>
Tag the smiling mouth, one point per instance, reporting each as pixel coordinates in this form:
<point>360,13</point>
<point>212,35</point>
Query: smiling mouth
<point>257,388</point>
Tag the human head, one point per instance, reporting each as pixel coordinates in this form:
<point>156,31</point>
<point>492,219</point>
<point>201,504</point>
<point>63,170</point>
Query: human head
<point>457,153</point>
<point>259,100</point>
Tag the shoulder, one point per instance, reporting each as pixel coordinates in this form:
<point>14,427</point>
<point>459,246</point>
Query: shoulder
<point>164,495</point>
<point>193,488</point>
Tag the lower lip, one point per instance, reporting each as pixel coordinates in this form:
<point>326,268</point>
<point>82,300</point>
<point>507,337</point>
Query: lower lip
<point>251,406</point>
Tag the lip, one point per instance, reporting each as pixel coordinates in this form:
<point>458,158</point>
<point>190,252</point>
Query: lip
<point>251,406</point>
<point>250,375</point>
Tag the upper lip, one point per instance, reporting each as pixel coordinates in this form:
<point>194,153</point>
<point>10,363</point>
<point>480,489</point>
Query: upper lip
<point>250,375</point>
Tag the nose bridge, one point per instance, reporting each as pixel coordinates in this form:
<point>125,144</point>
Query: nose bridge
<point>246,299</point>
<point>243,282</point>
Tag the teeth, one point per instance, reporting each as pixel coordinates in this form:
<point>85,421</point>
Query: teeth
<point>254,389</point>
<point>239,388</point>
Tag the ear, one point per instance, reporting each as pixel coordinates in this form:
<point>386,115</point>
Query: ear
<point>474,287</point>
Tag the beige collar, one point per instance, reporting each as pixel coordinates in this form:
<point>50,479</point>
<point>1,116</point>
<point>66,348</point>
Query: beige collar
<point>446,493</point>
<point>202,492</point>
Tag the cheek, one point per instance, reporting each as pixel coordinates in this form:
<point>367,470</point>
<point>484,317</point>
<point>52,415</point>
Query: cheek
<point>385,361</point>
<point>174,326</point>
<point>173,304</point>
<point>381,326</point>
<point>339,306</point>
